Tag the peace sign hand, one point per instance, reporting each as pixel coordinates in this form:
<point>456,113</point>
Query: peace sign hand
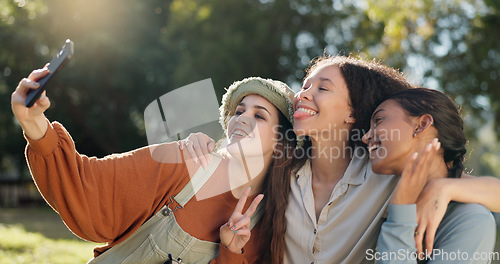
<point>236,232</point>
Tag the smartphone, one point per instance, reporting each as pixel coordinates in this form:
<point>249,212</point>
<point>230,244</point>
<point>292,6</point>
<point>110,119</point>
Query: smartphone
<point>55,64</point>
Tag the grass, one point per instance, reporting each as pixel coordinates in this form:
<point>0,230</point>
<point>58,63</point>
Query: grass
<point>39,219</point>
<point>37,235</point>
<point>19,246</point>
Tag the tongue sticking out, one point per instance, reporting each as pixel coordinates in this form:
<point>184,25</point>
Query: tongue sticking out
<point>300,114</point>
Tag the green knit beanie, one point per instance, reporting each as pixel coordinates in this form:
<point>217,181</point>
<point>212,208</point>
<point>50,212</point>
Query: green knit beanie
<point>276,92</point>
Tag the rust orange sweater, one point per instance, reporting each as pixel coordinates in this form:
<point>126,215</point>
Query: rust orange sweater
<point>107,199</point>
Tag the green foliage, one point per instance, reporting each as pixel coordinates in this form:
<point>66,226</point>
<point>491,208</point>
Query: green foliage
<point>18,246</point>
<point>128,53</point>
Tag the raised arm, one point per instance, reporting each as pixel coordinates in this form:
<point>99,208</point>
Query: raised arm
<point>100,200</point>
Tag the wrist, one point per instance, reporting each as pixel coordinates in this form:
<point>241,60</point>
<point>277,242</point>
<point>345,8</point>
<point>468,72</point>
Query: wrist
<point>404,196</point>
<point>234,249</point>
<point>443,186</point>
<point>446,185</point>
<point>36,128</point>
<point>397,200</point>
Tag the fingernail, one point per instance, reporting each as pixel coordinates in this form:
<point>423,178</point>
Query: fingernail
<point>232,228</point>
<point>195,161</point>
<point>438,145</point>
<point>228,224</point>
<point>36,84</point>
<point>235,231</point>
<point>415,155</point>
<point>429,147</point>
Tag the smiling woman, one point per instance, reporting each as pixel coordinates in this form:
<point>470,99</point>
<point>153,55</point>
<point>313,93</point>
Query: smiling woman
<point>430,147</point>
<point>144,209</point>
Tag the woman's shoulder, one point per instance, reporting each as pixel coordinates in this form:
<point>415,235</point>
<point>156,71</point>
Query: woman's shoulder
<point>468,216</point>
<point>466,227</point>
<point>468,209</point>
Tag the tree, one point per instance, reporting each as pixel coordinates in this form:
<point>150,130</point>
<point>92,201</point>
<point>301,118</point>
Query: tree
<point>128,53</point>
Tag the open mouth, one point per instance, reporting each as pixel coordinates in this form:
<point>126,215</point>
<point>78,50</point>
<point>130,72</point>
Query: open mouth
<point>373,147</point>
<point>304,112</point>
<point>239,133</point>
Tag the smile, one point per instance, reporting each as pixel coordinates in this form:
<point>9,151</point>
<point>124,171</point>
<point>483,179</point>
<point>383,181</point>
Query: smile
<point>303,112</point>
<point>373,147</point>
<point>307,110</point>
<point>240,133</point>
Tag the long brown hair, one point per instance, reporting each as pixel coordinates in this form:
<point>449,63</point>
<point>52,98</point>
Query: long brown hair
<point>276,190</point>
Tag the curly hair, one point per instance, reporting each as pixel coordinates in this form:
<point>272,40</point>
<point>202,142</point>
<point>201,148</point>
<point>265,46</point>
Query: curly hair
<point>368,82</point>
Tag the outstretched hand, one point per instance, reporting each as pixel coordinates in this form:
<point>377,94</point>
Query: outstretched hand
<point>236,232</point>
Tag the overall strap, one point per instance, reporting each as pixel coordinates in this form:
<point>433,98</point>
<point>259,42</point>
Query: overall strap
<point>197,181</point>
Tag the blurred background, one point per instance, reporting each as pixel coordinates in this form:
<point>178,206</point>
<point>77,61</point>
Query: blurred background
<point>129,53</point>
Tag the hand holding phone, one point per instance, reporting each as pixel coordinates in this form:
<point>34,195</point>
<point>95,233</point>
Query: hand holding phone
<point>55,64</point>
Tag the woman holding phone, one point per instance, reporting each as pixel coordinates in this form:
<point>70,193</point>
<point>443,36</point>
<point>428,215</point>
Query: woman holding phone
<point>150,211</point>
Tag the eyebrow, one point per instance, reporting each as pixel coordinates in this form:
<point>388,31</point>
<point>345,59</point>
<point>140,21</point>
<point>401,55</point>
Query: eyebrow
<point>325,79</point>
<point>257,106</point>
<point>322,79</point>
<point>376,112</point>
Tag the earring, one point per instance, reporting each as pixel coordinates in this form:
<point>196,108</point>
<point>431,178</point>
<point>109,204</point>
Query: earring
<point>415,134</point>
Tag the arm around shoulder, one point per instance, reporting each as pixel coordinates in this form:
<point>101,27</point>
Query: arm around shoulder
<point>483,190</point>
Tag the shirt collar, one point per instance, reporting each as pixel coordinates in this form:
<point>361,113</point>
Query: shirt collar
<point>355,173</point>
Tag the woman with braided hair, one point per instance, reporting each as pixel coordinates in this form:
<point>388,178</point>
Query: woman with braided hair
<point>417,135</point>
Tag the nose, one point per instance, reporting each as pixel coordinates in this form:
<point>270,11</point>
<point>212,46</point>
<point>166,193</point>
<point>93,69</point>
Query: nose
<point>241,119</point>
<point>303,95</point>
<point>367,137</point>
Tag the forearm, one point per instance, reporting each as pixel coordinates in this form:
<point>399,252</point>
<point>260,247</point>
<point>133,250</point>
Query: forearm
<point>396,237</point>
<point>35,128</point>
<point>480,190</point>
